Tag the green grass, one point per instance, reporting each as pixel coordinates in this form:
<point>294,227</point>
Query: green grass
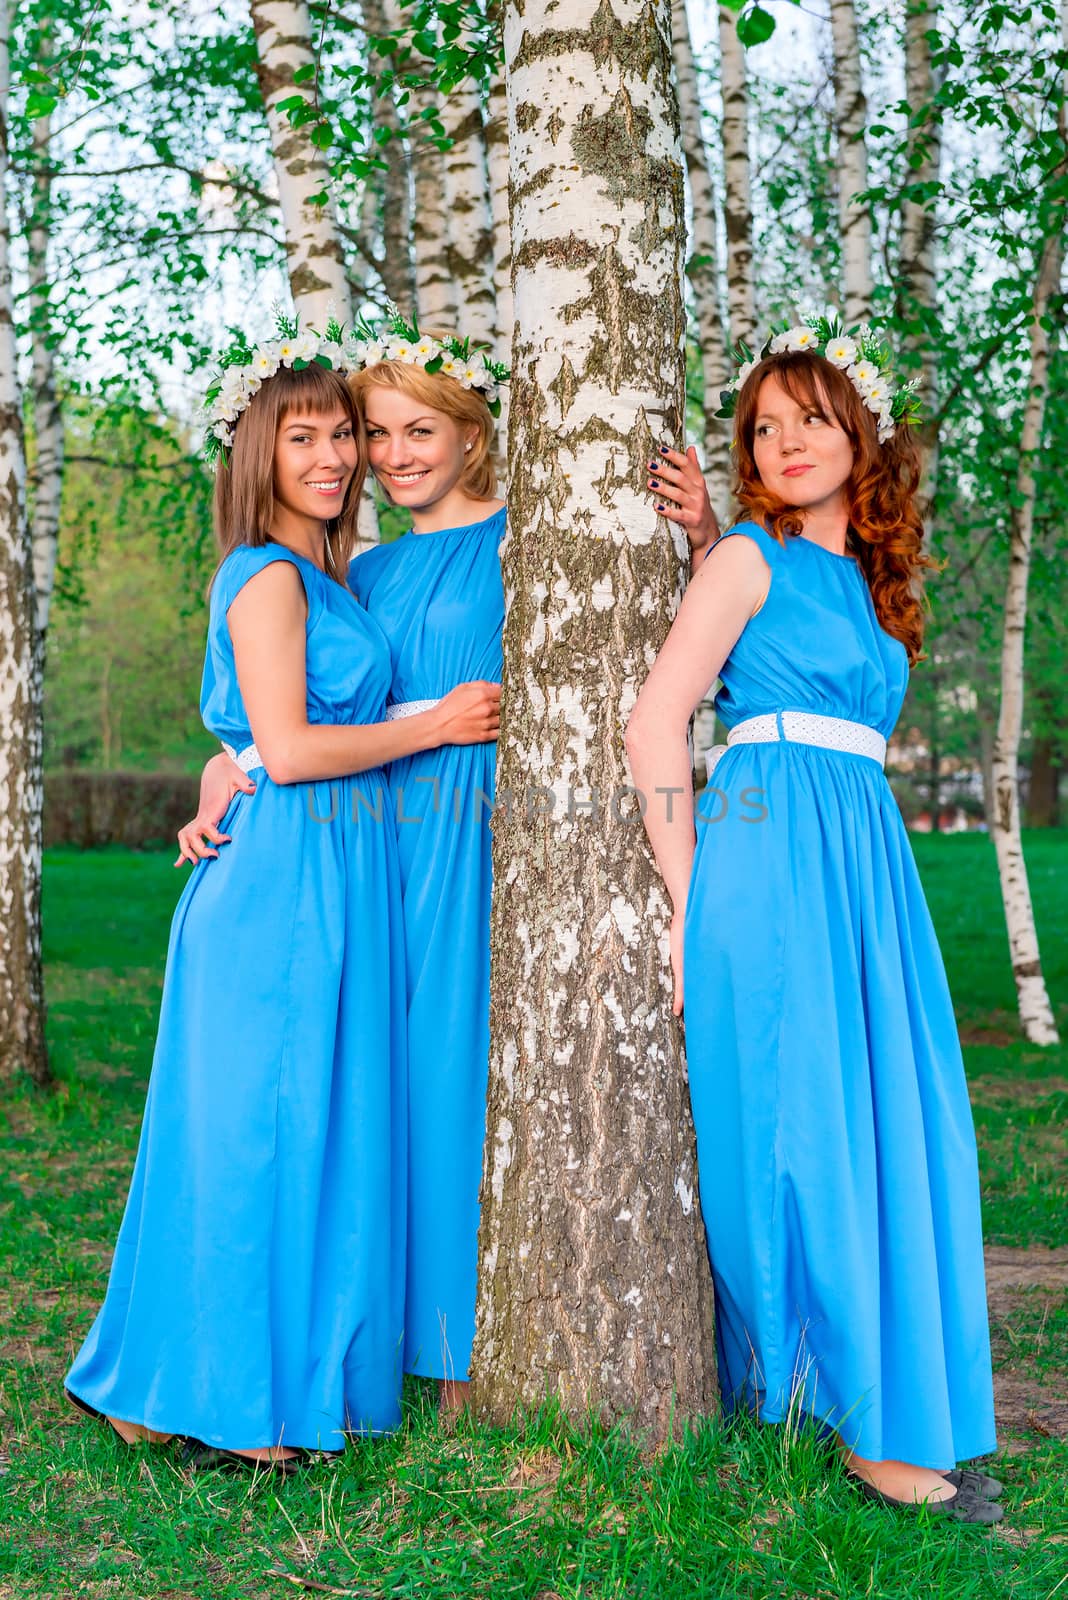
<point>537,1511</point>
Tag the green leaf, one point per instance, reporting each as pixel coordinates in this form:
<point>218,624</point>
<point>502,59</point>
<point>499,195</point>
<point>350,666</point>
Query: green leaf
<point>39,102</point>
<point>756,27</point>
<point>322,135</point>
<point>305,74</point>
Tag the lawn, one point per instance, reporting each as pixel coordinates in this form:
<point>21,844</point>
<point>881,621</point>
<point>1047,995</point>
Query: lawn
<point>539,1512</point>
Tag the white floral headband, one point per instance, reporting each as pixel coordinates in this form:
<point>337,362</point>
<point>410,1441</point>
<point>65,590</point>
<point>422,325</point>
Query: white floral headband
<point>244,367</point>
<point>860,353</point>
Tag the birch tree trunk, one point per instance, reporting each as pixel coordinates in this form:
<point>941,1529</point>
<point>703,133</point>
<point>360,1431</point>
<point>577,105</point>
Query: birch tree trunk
<point>314,257</point>
<point>738,207</point>
<point>703,268</point>
<point>47,417</point>
<point>395,188</point>
<point>315,260</point>
<point>470,228</point>
<point>850,117</point>
<point>497,143</point>
<point>22,1040</point>
<point>1036,1013</point>
<point>435,291</point>
<point>594,1281</point>
<point>917,259</point>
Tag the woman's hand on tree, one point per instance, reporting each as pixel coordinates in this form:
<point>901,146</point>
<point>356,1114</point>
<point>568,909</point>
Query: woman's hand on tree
<point>221,779</point>
<point>469,714</point>
<point>682,496</point>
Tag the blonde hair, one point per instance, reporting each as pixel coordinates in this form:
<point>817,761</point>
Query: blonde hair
<point>244,484</point>
<point>440,393</point>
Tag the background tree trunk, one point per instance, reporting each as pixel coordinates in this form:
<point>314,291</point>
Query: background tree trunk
<point>1036,1014</point>
<point>47,416</point>
<point>497,140</point>
<point>917,264</point>
<point>738,208</point>
<point>22,1038</point>
<point>703,268</point>
<point>1043,789</point>
<point>594,1280</point>
<point>850,118</point>
<point>467,197</point>
<point>435,291</point>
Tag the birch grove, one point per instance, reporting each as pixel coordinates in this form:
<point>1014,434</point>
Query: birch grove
<point>850,117</point>
<point>738,203</point>
<point>22,1041</point>
<point>589,1155</point>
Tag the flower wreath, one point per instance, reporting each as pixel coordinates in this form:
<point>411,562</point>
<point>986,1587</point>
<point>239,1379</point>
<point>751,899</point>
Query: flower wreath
<point>861,353</point>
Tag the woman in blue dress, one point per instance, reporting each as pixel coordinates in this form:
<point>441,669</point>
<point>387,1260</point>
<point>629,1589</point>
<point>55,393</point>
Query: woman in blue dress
<point>437,595</point>
<point>836,1153</point>
<point>255,1304</point>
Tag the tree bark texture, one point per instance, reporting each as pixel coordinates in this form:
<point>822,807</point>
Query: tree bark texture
<point>594,1280</point>
<point>703,267</point>
<point>497,145</point>
<point>738,206</point>
<point>917,263</point>
<point>435,290</point>
<point>22,1039</point>
<point>47,416</point>
<point>314,257</point>
<point>470,227</point>
<point>1036,1013</point>
<point>850,117</point>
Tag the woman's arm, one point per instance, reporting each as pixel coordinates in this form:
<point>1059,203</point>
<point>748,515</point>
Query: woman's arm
<point>267,626</point>
<point>682,497</point>
<point>725,592</point>
<point>221,779</point>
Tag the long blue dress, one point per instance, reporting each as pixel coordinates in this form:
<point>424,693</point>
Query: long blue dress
<point>256,1291</point>
<point>439,599</point>
<point>836,1151</point>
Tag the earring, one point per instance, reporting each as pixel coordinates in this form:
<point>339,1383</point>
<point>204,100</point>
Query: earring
<point>467,446</point>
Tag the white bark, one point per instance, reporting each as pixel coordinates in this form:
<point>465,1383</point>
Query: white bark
<point>22,1046</point>
<point>470,227</point>
<point>500,210</point>
<point>1036,1013</point>
<point>703,267</point>
<point>47,417</point>
<point>918,267</point>
<point>850,116</point>
<point>594,1284</point>
<point>738,207</point>
<point>392,189</point>
<point>314,256</point>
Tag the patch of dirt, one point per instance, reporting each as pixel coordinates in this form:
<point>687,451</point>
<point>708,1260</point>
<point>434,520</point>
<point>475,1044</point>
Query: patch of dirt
<point>1022,1406</point>
<point>1008,1268</point>
<point>987,1091</point>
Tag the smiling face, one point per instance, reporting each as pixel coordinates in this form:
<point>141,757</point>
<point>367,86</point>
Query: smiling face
<point>803,455</point>
<point>314,462</point>
<point>417,454</point>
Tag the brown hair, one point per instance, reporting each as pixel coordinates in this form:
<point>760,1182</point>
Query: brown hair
<point>440,393</point>
<point>244,484</point>
<point>880,491</point>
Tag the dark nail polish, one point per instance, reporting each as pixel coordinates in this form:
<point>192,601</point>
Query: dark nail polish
<point>659,508</point>
<point>663,449</point>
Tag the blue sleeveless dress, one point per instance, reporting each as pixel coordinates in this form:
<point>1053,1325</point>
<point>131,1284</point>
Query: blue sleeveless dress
<point>256,1291</point>
<point>836,1153</point>
<point>439,599</point>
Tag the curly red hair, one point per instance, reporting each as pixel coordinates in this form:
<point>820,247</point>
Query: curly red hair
<point>881,490</point>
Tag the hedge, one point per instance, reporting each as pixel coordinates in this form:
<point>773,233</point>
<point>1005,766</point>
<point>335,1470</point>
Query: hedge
<point>141,810</point>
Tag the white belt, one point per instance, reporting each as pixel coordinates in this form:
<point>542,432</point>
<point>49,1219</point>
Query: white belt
<point>409,708</point>
<point>802,727</point>
<point>249,757</point>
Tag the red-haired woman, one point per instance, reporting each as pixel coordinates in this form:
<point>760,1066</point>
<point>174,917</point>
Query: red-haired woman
<point>837,1156</point>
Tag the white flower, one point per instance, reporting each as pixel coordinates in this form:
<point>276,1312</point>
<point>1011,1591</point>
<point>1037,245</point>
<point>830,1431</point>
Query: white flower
<point>841,352</point>
<point>449,364</point>
<point>287,352</point>
<point>399,350</point>
<point>223,432</point>
<point>425,351</point>
<point>878,395</point>
<point>780,343</point>
<point>492,389</point>
<point>743,373</point>
<point>800,338</point>
<point>863,374</point>
<point>307,346</point>
<point>474,374</point>
<point>265,361</point>
<point>334,353</point>
<point>227,410</point>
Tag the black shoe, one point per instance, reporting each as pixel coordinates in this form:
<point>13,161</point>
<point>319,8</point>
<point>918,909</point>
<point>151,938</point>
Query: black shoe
<point>197,1456</point>
<point>964,1506</point>
<point>980,1483</point>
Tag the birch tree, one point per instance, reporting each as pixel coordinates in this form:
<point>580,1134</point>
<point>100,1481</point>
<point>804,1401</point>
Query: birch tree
<point>22,1041</point>
<point>497,144</point>
<point>1036,1013</point>
<point>917,261</point>
<point>738,205</point>
<point>703,266</point>
<point>47,416</point>
<point>850,117</point>
<point>594,1280</point>
<point>467,198</point>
